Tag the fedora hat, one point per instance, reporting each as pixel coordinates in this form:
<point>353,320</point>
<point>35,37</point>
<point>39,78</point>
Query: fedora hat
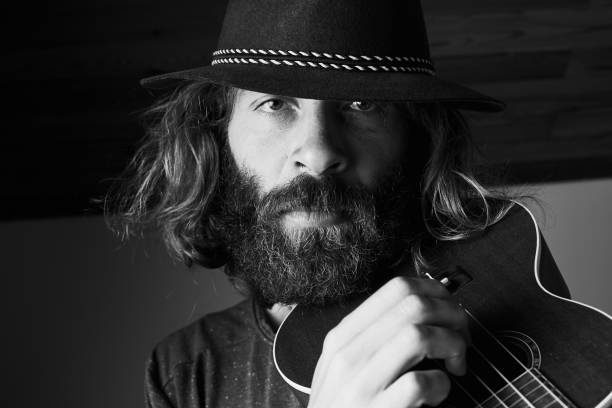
<point>329,49</point>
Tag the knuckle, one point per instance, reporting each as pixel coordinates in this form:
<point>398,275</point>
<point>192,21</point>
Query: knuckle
<point>422,334</point>
<point>330,342</point>
<point>428,387</point>
<point>341,362</point>
<point>407,334</point>
<point>415,306</point>
<point>415,334</point>
<point>401,286</point>
<point>418,381</point>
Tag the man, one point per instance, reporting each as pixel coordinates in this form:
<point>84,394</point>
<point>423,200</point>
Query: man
<point>317,158</point>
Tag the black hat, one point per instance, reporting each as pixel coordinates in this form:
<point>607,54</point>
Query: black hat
<point>329,49</point>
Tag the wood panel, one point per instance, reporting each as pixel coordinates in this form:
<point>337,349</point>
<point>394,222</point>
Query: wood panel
<point>153,48</point>
<point>103,22</point>
<point>473,7</point>
<point>530,30</point>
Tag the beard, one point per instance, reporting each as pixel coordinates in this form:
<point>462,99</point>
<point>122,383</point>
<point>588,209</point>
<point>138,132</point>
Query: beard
<point>320,264</point>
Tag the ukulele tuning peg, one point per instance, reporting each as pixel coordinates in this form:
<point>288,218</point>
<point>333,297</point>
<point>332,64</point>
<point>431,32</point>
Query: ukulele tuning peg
<point>452,278</point>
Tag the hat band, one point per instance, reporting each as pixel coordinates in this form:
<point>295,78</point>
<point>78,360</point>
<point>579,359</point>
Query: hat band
<point>326,60</point>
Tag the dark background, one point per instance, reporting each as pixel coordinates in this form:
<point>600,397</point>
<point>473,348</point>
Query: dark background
<point>73,67</point>
<point>88,309</point>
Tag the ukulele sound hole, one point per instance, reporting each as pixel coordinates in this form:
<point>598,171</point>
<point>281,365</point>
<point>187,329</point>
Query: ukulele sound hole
<point>523,347</point>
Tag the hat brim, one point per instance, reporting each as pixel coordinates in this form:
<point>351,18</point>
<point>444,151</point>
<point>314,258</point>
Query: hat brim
<point>312,83</point>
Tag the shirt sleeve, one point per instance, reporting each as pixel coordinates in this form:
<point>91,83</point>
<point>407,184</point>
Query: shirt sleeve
<point>154,394</point>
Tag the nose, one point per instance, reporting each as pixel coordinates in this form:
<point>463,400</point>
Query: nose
<point>319,147</point>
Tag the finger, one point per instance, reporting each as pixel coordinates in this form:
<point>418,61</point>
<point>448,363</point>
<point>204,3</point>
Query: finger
<point>414,309</point>
<point>386,297</point>
<point>419,309</point>
<point>447,312</point>
<point>410,346</point>
<point>415,389</point>
<point>351,329</point>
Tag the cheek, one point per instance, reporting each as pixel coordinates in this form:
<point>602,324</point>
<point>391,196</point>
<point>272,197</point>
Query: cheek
<point>380,152</point>
<point>374,161</point>
<point>257,150</point>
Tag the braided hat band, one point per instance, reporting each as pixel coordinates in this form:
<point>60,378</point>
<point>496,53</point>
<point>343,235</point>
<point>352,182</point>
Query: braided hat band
<point>324,60</point>
<point>328,50</point>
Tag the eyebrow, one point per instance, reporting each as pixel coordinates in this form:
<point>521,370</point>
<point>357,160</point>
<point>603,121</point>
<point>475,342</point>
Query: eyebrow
<point>260,95</point>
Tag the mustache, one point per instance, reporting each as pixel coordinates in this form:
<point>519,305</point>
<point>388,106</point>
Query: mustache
<point>306,193</point>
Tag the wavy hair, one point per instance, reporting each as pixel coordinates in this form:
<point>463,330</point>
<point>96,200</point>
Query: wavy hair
<point>455,204</point>
<point>173,179</point>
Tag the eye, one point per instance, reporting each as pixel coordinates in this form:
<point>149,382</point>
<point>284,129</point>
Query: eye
<point>362,106</point>
<point>272,105</point>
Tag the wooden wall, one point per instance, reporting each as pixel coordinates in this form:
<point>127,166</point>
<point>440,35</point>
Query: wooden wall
<point>71,71</point>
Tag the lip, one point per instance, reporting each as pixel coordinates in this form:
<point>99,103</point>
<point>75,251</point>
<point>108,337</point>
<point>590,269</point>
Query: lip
<point>311,219</point>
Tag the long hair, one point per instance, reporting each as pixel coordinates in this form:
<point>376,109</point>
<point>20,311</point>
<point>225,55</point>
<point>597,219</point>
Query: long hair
<point>454,203</point>
<point>173,179</point>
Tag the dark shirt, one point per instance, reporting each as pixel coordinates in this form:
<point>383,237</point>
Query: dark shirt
<point>222,360</point>
<point>225,359</point>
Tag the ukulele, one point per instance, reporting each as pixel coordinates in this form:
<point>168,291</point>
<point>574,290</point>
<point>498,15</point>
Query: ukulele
<point>530,347</point>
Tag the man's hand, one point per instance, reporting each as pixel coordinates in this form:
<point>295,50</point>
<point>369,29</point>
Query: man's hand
<point>366,357</point>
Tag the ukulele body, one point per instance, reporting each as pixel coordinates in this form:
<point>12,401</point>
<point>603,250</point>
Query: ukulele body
<point>562,345</point>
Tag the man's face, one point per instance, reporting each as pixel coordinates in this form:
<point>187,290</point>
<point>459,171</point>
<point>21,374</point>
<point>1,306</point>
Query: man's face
<point>319,193</point>
<point>278,138</point>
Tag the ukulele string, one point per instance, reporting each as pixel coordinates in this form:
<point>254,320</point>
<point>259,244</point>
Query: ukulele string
<point>527,394</point>
<point>458,384</point>
<point>513,356</point>
<point>502,402</point>
<point>530,392</point>
<point>493,393</point>
<point>504,378</point>
<point>507,351</point>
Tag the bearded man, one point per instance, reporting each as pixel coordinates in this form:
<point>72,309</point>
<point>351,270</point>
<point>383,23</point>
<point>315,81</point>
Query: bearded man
<point>317,158</point>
